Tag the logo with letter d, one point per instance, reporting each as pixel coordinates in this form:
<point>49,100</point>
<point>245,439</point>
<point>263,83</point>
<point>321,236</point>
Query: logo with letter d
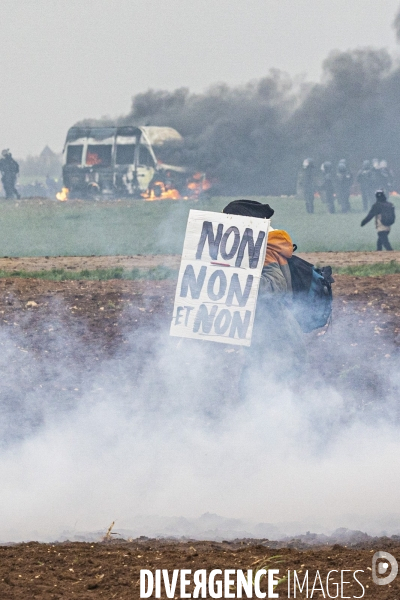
<point>383,568</point>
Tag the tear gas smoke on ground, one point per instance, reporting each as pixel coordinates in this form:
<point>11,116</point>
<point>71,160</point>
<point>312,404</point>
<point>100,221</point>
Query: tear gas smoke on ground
<point>159,430</point>
<point>253,138</point>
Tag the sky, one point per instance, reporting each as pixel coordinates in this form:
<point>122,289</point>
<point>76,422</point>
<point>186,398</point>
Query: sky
<point>65,60</point>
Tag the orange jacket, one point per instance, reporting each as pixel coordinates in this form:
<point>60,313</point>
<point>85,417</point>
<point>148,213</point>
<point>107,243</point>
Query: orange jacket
<point>276,273</point>
<point>279,247</point>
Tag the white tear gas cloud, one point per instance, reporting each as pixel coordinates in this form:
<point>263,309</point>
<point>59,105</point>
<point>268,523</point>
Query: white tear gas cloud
<point>162,432</point>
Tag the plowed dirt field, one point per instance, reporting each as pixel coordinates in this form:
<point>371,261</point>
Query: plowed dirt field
<point>85,571</point>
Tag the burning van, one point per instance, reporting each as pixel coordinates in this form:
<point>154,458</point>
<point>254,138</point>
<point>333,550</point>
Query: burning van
<point>126,162</point>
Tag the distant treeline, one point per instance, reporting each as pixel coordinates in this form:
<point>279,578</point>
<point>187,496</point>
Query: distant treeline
<point>47,164</point>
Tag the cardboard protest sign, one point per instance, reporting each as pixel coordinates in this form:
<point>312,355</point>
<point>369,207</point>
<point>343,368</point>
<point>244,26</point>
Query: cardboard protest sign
<point>219,277</point>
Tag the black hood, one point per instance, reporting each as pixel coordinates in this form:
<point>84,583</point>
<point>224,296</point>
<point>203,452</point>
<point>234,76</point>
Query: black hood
<point>249,208</point>
<point>380,196</point>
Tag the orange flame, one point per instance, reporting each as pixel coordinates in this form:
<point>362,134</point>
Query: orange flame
<point>63,195</point>
<point>194,187</point>
<point>92,158</point>
<point>198,184</point>
<point>158,191</point>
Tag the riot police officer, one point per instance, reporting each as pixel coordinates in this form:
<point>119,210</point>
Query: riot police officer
<point>9,169</point>
<point>386,178</point>
<point>365,179</point>
<point>307,183</point>
<point>327,186</point>
<point>344,179</point>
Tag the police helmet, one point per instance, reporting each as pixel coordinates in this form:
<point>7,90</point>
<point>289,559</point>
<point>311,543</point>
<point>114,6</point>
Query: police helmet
<point>380,196</point>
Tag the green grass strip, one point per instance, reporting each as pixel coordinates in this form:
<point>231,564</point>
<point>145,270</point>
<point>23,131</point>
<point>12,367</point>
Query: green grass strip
<point>162,273</point>
<point>372,270</point>
<point>156,273</point>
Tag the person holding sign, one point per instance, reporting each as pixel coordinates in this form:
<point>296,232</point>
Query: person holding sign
<point>277,345</point>
<point>216,294</point>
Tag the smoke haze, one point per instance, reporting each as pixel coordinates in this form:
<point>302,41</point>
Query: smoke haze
<point>161,432</point>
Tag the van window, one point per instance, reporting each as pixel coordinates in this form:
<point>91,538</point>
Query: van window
<point>74,155</point>
<point>145,158</point>
<point>125,154</point>
<point>99,154</point>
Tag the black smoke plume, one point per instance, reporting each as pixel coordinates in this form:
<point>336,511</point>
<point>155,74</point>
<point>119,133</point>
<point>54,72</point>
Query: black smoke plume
<point>396,25</point>
<point>252,139</point>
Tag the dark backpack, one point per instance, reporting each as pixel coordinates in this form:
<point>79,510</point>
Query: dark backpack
<point>312,293</point>
<point>387,213</point>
